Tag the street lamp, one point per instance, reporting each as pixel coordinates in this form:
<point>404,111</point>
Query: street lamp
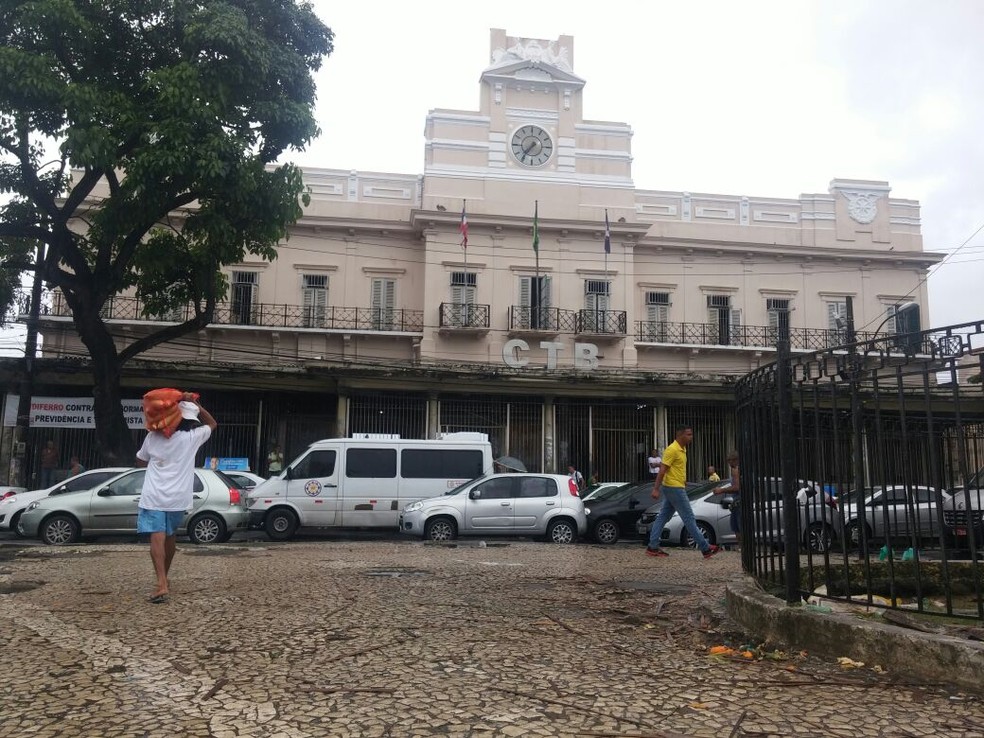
<point>904,310</point>
<point>907,329</point>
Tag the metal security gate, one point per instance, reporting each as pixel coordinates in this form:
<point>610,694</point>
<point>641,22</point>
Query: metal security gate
<point>862,472</point>
<point>403,414</point>
<point>714,434</point>
<point>514,427</point>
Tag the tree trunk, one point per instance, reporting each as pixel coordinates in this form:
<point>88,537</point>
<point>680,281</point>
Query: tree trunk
<point>113,438</point>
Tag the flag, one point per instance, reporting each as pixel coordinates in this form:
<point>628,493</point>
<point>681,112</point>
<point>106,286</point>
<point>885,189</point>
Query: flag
<point>608,235</point>
<point>536,229</point>
<point>463,227</point>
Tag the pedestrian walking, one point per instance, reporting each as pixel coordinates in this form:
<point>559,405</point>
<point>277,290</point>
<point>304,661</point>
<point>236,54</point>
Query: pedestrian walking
<point>168,486</point>
<point>654,461</point>
<point>49,462</point>
<point>671,485</point>
<point>576,477</point>
<point>733,487</point>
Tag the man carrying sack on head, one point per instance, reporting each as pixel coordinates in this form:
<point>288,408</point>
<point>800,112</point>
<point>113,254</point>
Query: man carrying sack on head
<point>169,483</point>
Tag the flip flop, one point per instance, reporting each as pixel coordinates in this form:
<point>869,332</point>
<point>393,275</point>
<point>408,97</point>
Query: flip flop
<point>157,599</point>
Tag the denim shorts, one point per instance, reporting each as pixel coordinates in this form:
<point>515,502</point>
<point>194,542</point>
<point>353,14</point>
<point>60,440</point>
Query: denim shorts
<point>159,521</point>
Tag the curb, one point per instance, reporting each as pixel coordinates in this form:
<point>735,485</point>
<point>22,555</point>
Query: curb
<point>920,656</point>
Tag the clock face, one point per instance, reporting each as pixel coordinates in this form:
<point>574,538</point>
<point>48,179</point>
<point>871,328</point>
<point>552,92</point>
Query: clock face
<point>531,145</point>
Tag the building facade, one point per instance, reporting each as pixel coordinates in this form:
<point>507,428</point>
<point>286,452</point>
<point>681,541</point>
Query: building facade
<point>584,318</point>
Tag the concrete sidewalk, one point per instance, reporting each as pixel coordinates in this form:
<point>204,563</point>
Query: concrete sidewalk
<point>401,638</point>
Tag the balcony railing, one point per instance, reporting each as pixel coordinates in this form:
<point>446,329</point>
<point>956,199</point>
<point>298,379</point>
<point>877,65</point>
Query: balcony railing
<point>546,319</point>
<point>463,315</point>
<point>711,334</point>
<point>601,322</point>
<point>265,315</point>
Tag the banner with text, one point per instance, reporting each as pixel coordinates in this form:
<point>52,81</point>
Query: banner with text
<point>68,412</point>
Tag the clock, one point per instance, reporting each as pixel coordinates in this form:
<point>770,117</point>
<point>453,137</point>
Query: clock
<point>532,146</point>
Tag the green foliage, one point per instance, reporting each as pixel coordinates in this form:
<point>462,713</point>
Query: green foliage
<point>137,144</point>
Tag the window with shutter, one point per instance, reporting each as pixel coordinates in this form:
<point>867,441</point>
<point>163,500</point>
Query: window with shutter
<point>778,314</point>
<point>463,286</point>
<point>657,316</point>
<point>535,303</point>
<point>244,305</point>
<point>382,305</point>
<point>596,294</point>
<point>721,318</point>
<point>315,297</point>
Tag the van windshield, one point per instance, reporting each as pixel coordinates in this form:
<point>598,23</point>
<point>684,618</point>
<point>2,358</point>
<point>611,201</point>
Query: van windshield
<point>460,487</point>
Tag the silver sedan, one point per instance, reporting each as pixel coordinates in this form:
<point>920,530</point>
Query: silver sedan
<point>712,513</point>
<point>219,509</point>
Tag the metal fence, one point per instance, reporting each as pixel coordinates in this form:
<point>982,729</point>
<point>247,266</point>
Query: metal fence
<point>862,472</point>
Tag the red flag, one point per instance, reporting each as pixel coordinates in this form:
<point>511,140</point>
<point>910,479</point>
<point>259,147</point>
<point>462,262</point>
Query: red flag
<point>463,228</point>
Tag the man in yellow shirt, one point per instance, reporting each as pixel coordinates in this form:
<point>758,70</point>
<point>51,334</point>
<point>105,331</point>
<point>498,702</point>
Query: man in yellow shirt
<point>671,485</point>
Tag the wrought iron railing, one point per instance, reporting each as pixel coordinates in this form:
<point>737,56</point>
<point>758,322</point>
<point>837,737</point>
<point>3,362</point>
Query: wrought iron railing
<point>463,315</point>
<point>551,319</point>
<point>612,322</point>
<point>266,315</point>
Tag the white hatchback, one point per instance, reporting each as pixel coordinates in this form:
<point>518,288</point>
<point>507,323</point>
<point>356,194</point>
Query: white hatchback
<point>502,504</point>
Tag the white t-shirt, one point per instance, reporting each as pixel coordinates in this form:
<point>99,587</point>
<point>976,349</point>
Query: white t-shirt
<point>170,468</point>
<point>654,462</point>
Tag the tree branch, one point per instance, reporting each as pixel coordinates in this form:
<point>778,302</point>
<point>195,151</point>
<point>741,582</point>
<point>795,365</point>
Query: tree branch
<point>125,254</point>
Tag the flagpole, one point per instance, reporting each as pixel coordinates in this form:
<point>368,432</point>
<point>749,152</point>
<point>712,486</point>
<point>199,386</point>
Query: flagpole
<point>536,250</point>
<point>607,244</point>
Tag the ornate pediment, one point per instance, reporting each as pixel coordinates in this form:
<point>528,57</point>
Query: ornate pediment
<point>532,59</point>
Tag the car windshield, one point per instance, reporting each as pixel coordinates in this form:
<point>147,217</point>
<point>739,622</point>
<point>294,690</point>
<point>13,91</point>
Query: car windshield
<point>619,492</point>
<point>461,486</point>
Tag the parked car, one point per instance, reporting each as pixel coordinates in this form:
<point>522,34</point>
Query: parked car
<point>12,507</point>
<point>219,509</point>
<point>890,512</point>
<point>246,480</point>
<point>614,516</point>
<point>816,510</point>
<point>712,513</point>
<point>602,491</point>
<point>510,504</point>
<point>963,513</point>
<point>8,491</point>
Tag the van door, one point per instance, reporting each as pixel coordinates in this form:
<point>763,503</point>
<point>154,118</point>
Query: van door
<point>535,497</point>
<point>370,493</point>
<point>489,505</point>
<point>313,487</point>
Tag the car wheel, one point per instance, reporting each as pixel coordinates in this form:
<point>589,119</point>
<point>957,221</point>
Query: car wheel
<point>281,524</point>
<point>59,530</point>
<point>440,529</point>
<point>13,524</point>
<point>818,537</point>
<point>606,531</point>
<point>705,530</point>
<point>562,531</point>
<point>206,528</point>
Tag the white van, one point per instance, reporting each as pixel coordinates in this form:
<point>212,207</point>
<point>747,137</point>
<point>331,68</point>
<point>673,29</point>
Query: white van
<point>364,482</point>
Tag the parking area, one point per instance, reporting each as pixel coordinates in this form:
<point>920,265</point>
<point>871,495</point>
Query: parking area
<point>370,635</point>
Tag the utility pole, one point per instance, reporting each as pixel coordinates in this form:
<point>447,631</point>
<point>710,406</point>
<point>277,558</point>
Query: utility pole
<point>18,473</point>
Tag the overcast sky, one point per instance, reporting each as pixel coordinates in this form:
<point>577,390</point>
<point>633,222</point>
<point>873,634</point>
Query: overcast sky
<point>761,99</point>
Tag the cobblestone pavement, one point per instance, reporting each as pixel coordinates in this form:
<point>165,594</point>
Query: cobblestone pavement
<point>401,638</point>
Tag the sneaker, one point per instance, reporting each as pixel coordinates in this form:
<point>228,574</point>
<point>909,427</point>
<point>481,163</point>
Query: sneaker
<point>655,552</point>
<point>711,551</point>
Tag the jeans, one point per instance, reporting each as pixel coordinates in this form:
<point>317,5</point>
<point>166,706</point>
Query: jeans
<point>46,474</point>
<point>675,500</point>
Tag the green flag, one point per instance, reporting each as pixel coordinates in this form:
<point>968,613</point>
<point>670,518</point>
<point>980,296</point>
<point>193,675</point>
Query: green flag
<point>536,228</point>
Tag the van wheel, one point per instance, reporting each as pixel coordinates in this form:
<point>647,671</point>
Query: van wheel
<point>206,528</point>
<point>562,531</point>
<point>440,529</point>
<point>606,531</point>
<point>280,525</point>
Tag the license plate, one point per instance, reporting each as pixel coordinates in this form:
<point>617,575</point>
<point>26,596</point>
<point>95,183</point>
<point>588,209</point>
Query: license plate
<point>961,531</point>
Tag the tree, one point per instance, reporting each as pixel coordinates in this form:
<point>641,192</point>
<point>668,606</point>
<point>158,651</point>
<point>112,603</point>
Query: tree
<point>166,118</point>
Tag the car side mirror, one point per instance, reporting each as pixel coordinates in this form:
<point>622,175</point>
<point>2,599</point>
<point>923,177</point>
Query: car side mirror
<point>105,492</point>
<point>289,473</point>
<point>475,494</point>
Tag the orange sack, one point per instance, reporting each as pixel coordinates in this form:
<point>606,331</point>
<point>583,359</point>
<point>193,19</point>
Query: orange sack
<point>161,410</point>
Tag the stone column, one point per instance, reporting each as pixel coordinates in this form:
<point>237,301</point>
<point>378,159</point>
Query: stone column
<point>341,417</point>
<point>433,415</point>
<point>549,434</point>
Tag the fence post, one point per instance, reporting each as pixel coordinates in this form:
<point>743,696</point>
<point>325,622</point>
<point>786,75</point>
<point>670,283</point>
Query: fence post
<point>790,514</point>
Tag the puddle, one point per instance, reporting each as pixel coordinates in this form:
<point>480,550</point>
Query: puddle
<point>15,587</point>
